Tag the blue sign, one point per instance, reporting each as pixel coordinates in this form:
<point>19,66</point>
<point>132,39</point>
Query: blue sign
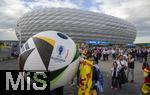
<point>147,45</point>
<point>97,42</point>
<point>130,45</point>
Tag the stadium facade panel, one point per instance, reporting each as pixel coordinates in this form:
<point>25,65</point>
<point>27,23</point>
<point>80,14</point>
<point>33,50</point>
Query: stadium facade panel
<point>80,25</point>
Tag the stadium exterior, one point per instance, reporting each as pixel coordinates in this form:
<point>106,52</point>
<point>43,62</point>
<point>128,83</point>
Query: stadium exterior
<point>80,25</point>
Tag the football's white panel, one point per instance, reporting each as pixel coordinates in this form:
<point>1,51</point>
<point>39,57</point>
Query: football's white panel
<point>34,61</point>
<point>30,43</point>
<point>55,64</point>
<point>67,75</point>
<point>69,50</point>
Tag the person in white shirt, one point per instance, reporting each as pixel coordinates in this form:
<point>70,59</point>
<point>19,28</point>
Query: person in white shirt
<point>113,52</point>
<point>120,51</point>
<point>122,66</point>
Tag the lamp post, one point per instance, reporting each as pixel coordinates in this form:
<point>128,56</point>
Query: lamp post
<point>20,37</point>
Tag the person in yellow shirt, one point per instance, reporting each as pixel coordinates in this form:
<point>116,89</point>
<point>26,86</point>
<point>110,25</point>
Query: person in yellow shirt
<point>85,75</point>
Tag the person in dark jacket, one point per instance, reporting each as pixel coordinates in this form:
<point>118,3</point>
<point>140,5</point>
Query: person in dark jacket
<point>145,55</point>
<point>130,67</point>
<point>114,73</point>
<point>97,79</point>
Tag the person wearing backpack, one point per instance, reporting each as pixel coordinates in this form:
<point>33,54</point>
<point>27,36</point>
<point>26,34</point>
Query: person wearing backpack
<point>122,65</point>
<point>97,79</point>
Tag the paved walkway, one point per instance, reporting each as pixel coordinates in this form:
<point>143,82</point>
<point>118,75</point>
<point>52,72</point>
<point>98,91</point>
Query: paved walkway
<point>128,89</point>
<point>9,65</point>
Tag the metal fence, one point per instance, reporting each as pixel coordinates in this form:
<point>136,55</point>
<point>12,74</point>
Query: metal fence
<point>5,52</point>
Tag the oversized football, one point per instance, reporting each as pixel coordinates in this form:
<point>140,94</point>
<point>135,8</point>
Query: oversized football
<point>51,51</point>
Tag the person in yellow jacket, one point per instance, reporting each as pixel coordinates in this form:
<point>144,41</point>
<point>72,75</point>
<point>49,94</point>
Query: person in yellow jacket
<point>85,75</point>
<point>146,85</point>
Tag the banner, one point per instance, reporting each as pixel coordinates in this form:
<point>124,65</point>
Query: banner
<point>85,78</point>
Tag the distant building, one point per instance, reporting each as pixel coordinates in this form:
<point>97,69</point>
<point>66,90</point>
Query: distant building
<point>6,36</point>
<point>80,25</point>
<point>8,44</point>
<point>142,41</point>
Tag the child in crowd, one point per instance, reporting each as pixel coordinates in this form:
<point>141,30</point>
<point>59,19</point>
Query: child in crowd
<point>114,72</point>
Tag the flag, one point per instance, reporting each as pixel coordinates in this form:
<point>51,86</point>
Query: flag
<point>85,78</point>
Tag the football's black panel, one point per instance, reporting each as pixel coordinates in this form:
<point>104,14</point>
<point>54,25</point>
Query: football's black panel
<point>45,50</point>
<point>62,36</point>
<point>56,73</point>
<point>23,57</point>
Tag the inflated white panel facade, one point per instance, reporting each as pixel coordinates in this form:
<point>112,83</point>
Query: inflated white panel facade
<point>80,25</point>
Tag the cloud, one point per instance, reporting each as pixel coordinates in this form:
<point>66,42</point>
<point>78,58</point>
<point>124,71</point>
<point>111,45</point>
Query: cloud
<point>10,11</point>
<point>50,3</point>
<point>134,11</point>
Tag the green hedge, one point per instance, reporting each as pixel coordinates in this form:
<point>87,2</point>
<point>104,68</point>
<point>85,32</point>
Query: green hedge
<point>2,47</point>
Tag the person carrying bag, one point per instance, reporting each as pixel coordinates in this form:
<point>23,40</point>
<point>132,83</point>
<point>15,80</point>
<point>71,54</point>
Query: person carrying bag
<point>97,79</point>
<point>122,65</point>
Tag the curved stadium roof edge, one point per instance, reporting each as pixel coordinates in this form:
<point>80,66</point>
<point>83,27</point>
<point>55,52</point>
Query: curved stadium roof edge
<point>96,26</point>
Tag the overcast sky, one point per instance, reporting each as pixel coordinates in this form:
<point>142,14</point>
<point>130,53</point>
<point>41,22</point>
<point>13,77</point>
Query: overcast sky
<point>134,11</point>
